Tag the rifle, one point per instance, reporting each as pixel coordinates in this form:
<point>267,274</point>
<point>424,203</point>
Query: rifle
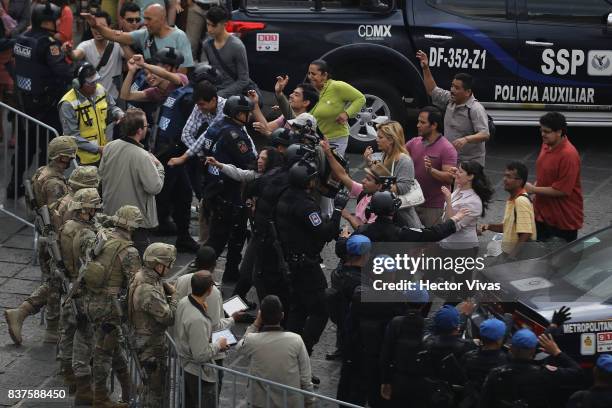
<point>57,264</point>
<point>30,197</point>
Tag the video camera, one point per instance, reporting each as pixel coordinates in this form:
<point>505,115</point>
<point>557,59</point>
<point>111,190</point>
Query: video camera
<point>328,185</point>
<point>387,182</point>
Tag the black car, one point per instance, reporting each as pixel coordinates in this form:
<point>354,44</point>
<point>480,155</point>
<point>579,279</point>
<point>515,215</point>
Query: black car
<point>527,56</point>
<point>578,275</point>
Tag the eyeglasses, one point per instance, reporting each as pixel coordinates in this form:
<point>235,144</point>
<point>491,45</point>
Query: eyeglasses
<point>133,20</point>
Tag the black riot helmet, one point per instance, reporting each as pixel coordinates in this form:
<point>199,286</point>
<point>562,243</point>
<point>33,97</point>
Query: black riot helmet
<point>236,104</point>
<point>282,137</point>
<point>295,152</point>
<point>169,56</point>
<point>301,173</point>
<point>44,12</point>
<point>384,203</point>
<point>206,72</point>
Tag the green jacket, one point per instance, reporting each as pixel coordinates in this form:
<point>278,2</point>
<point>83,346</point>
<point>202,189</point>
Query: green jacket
<point>335,98</point>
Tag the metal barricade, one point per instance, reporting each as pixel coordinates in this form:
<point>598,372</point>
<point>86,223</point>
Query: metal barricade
<point>43,133</point>
<point>175,394</point>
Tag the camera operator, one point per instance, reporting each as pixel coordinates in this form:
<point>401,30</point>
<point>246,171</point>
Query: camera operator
<point>303,232</point>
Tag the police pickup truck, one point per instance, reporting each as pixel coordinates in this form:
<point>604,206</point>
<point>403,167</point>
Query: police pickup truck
<point>526,56</point>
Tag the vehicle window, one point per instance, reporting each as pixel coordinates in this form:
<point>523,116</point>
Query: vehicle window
<point>569,11</point>
<point>472,8</point>
<point>587,265</point>
<point>365,5</point>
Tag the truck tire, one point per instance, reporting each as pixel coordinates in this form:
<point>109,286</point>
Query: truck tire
<point>382,99</point>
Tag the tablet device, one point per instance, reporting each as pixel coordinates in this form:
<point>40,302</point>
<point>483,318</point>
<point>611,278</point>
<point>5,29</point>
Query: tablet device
<point>233,305</point>
<point>227,333</point>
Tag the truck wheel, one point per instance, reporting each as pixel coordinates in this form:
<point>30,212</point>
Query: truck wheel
<point>381,100</point>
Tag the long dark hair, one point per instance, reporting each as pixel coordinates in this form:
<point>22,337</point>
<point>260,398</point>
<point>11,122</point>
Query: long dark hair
<point>275,159</point>
<point>480,183</point>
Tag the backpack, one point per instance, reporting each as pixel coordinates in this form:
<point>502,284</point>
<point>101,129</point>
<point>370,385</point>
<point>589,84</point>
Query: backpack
<point>96,272</point>
<point>490,123</point>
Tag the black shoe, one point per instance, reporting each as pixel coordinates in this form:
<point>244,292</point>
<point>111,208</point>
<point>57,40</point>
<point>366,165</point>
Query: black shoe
<point>10,191</point>
<point>184,243</point>
<point>166,228</point>
<point>315,380</point>
<point>334,355</point>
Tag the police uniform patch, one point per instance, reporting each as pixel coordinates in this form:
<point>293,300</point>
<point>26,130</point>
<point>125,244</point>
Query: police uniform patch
<point>315,219</point>
<point>243,147</point>
<point>55,50</point>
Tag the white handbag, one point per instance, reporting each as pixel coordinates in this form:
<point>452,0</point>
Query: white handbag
<point>414,196</point>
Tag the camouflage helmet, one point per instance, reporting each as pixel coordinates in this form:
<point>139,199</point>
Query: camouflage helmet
<point>159,253</point>
<point>128,217</point>
<point>62,146</point>
<point>85,198</point>
<point>84,177</point>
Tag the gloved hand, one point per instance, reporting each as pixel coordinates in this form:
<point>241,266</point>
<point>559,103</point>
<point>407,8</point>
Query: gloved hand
<point>561,316</point>
<point>341,200</point>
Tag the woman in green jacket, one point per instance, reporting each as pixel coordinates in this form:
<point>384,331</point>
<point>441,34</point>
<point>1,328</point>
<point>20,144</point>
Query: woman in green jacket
<point>338,101</point>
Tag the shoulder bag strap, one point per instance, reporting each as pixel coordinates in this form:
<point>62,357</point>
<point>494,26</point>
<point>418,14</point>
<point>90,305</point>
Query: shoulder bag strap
<point>221,62</point>
<point>106,55</point>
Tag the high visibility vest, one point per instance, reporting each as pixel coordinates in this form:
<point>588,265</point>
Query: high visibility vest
<point>92,120</point>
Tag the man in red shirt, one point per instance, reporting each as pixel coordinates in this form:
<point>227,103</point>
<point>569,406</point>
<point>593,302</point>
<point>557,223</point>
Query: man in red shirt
<point>558,192</point>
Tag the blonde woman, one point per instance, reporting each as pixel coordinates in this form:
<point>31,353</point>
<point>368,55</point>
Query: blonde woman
<point>391,142</point>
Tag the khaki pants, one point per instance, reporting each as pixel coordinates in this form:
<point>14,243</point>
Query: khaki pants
<point>196,28</point>
<point>430,216</point>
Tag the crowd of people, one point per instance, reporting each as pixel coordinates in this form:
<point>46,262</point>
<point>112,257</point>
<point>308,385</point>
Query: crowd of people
<point>155,116</point>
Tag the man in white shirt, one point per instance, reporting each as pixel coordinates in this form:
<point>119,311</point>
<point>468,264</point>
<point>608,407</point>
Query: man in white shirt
<point>275,355</point>
<point>98,50</point>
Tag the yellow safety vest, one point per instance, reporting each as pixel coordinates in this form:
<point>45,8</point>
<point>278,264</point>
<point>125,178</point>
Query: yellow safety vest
<point>92,120</point>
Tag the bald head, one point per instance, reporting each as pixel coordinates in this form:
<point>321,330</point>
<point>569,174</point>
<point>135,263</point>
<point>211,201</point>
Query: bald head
<point>155,19</point>
<point>201,282</point>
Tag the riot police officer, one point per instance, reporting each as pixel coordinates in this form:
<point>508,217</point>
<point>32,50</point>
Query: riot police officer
<point>42,76</point>
<point>303,232</point>
<point>151,308</point>
<point>600,394</point>
<point>228,142</point>
<point>49,185</point>
<point>523,381</point>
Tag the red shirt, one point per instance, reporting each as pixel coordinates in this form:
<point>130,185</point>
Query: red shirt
<point>65,25</point>
<point>559,168</point>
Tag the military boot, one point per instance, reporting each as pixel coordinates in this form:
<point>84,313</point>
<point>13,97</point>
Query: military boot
<point>69,378</point>
<point>84,394</point>
<point>126,384</point>
<point>14,320</point>
<point>101,399</point>
<point>52,332</point>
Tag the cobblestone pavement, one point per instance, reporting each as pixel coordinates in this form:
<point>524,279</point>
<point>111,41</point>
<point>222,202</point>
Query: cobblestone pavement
<point>33,366</point>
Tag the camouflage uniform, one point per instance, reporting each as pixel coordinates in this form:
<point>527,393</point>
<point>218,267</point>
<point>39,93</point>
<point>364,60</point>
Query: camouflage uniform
<point>150,315</point>
<point>74,237</point>
<point>49,185</point>
<point>105,277</point>
<point>81,177</point>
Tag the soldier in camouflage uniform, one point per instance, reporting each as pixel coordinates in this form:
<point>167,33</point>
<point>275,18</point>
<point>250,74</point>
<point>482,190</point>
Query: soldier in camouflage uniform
<point>49,185</point>
<point>81,177</point>
<point>75,237</point>
<point>105,277</point>
<point>151,308</point>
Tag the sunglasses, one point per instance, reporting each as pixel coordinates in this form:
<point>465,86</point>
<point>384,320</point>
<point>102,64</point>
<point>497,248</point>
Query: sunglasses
<point>133,20</point>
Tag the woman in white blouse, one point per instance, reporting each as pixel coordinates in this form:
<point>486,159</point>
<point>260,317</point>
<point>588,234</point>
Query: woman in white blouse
<point>472,191</point>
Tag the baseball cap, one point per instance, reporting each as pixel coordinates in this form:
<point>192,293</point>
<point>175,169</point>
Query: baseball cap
<point>447,318</point>
<point>524,339</point>
<point>358,245</point>
<point>93,79</point>
<point>302,120</point>
<point>604,363</point>
<point>492,329</point>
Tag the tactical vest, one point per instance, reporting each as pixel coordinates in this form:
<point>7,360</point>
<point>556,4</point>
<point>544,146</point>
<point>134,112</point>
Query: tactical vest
<point>42,175</point>
<point>92,120</point>
<point>143,322</point>
<point>172,121</point>
<point>59,210</point>
<point>104,271</point>
<point>67,235</point>
<point>33,76</point>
